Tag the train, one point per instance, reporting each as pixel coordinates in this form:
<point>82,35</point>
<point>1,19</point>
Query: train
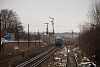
<point>58,41</point>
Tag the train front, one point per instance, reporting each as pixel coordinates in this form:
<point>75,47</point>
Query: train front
<point>58,41</point>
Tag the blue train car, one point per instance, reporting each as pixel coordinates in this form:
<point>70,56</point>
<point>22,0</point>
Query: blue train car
<point>58,41</point>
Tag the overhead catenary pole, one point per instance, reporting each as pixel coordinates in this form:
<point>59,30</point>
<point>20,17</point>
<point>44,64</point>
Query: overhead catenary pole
<point>17,35</point>
<point>35,39</point>
<point>28,37</point>
<point>72,34</point>
<point>39,36</point>
<point>46,32</point>
<point>43,36</point>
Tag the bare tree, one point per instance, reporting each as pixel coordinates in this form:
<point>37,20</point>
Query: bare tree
<point>90,34</point>
<point>10,22</point>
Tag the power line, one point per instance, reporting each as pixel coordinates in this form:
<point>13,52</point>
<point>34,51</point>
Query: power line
<point>50,26</point>
<point>55,26</point>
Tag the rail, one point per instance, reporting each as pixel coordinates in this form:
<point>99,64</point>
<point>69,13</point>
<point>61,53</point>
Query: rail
<point>33,62</point>
<point>7,58</point>
<point>71,60</point>
<point>67,58</point>
<point>76,61</point>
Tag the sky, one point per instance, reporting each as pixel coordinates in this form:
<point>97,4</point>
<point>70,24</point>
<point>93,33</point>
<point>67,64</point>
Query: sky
<point>67,14</point>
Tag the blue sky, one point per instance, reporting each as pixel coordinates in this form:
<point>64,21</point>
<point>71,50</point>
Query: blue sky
<point>67,14</point>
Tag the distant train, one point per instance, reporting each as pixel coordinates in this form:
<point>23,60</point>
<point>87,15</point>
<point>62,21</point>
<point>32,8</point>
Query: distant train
<point>58,41</point>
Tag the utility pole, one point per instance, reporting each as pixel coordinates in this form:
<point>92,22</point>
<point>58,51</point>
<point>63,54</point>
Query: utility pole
<point>39,36</point>
<point>46,32</point>
<point>43,36</point>
<point>17,35</point>
<point>72,34</point>
<point>35,39</point>
<point>52,24</point>
<point>46,28</point>
<point>28,37</point>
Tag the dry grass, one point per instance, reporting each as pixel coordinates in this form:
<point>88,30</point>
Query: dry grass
<point>25,53</point>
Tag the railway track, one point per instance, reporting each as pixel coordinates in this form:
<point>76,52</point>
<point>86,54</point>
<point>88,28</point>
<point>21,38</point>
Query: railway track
<point>4,59</point>
<point>71,60</point>
<point>35,61</point>
<point>7,58</point>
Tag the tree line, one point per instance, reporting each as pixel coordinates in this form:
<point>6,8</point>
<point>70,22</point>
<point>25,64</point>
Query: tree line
<point>89,37</point>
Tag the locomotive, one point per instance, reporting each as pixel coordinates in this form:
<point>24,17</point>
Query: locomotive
<point>58,41</point>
